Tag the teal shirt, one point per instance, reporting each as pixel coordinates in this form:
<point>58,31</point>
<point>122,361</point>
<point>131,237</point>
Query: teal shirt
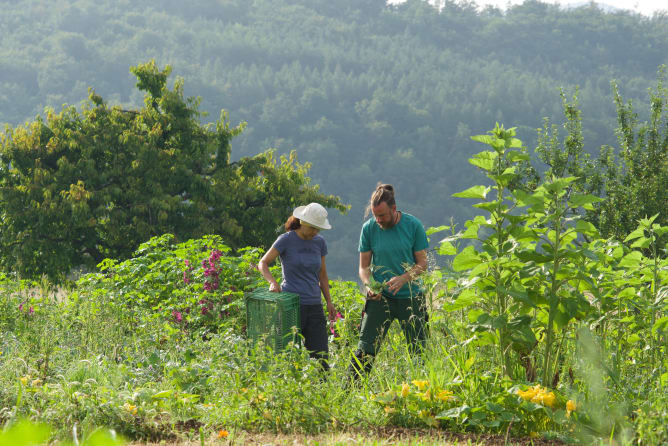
<point>393,248</point>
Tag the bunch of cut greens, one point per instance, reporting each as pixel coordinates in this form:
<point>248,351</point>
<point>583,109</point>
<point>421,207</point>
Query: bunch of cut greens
<point>375,286</point>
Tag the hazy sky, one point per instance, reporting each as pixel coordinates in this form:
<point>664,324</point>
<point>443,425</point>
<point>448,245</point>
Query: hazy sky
<point>646,7</point>
<point>642,6</point>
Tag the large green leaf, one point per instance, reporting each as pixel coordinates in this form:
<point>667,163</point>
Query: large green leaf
<point>559,184</point>
<point>471,230</point>
<point>465,299</point>
<point>455,412</point>
<point>466,259</point>
<point>631,260</point>
<point>586,228</point>
<point>485,160</point>
<point>446,249</point>
<point>434,230</point>
<point>514,156</point>
<point>522,336</point>
<point>638,232</point>
<point>473,192</point>
<point>489,206</point>
<point>583,199</point>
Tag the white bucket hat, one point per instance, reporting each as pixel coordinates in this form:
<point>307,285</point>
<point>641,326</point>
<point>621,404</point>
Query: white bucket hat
<point>313,214</point>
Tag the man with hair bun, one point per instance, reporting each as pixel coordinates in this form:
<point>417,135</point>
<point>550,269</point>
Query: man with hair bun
<point>395,244</point>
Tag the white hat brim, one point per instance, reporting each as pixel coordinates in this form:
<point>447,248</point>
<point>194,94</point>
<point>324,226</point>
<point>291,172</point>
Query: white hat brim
<point>299,213</point>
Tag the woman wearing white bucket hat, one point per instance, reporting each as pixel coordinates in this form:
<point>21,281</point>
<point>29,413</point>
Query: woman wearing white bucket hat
<point>302,251</point>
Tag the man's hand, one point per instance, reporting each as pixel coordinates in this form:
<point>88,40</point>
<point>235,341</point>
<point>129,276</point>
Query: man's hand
<point>396,282</point>
<point>371,295</point>
<point>274,287</point>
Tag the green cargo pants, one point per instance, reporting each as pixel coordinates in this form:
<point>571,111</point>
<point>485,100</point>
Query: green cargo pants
<point>379,314</point>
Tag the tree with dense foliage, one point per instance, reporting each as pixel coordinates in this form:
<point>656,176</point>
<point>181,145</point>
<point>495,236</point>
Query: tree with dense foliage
<point>77,187</point>
<point>632,181</point>
<point>365,91</point>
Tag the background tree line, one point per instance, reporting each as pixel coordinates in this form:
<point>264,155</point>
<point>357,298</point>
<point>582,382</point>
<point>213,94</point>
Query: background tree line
<point>363,91</point>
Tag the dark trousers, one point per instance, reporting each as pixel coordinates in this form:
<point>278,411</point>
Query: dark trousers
<point>314,330</point>
<point>378,316</point>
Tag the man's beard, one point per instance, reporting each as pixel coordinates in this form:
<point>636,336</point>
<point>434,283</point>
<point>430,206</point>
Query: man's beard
<point>391,223</point>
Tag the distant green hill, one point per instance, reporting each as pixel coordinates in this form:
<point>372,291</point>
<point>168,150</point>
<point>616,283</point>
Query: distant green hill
<point>363,91</point>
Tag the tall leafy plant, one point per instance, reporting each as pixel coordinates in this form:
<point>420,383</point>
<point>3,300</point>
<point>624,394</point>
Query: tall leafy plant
<point>523,269</point>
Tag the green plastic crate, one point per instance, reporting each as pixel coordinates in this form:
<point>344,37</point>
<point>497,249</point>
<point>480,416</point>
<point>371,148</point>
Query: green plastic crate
<point>271,317</point>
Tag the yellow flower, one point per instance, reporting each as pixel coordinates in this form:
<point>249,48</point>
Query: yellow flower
<point>405,390</point>
<point>223,433</point>
<point>571,406</point>
<point>389,410</point>
<point>261,397</point>
<point>420,384</point>
<point>130,408</point>
<point>427,395</point>
<point>24,380</point>
<point>36,382</point>
<point>548,399</point>
<point>444,395</point>
<point>543,397</point>
<point>526,395</point>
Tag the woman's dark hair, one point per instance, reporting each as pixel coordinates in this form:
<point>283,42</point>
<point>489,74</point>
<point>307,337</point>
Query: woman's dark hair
<point>384,193</point>
<point>292,223</point>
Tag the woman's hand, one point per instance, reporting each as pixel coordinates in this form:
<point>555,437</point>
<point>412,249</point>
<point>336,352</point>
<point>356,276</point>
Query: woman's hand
<point>331,312</point>
<point>274,287</point>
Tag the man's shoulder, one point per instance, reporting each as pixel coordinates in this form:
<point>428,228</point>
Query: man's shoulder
<point>368,224</point>
<point>410,218</point>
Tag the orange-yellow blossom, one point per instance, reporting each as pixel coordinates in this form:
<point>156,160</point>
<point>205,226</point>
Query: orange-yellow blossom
<point>420,384</point>
<point>444,395</point>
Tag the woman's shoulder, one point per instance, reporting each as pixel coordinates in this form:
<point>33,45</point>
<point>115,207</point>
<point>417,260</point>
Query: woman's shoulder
<point>319,239</point>
<point>283,238</point>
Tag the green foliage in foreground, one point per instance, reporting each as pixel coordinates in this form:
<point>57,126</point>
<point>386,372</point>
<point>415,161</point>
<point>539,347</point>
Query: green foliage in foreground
<point>79,187</point>
<point>539,327</point>
<point>112,352</point>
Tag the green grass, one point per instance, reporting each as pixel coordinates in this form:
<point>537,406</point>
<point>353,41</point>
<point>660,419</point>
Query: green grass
<point>91,357</point>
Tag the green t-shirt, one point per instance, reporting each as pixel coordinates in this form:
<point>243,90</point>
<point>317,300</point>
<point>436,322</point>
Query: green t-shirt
<point>392,250</point>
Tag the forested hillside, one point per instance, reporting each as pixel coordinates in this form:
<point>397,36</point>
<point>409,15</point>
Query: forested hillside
<point>363,91</point>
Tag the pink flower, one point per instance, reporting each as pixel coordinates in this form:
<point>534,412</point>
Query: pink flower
<point>187,262</point>
<point>31,310</point>
<point>177,315</point>
<point>21,306</point>
<point>205,310</point>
